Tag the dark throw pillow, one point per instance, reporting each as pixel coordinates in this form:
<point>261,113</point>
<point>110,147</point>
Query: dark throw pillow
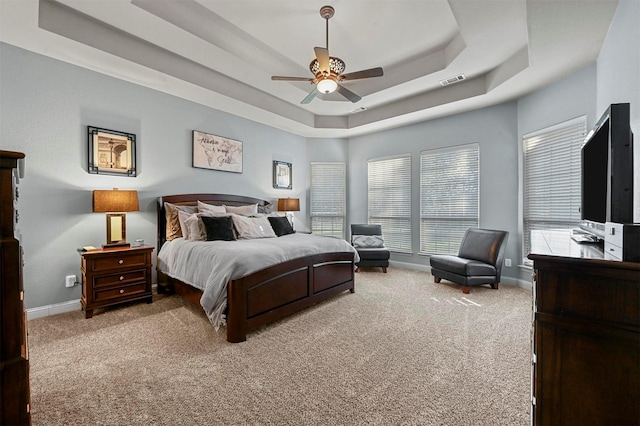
<point>281,225</point>
<point>219,228</point>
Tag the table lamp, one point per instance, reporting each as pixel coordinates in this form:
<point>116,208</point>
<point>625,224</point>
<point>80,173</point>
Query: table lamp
<point>288,205</point>
<point>115,203</point>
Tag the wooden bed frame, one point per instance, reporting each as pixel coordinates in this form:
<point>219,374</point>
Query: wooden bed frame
<point>271,293</point>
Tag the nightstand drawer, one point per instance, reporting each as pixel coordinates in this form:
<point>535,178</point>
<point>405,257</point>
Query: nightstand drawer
<point>121,260</point>
<point>119,292</point>
<point>119,279</point>
<point>114,276</point>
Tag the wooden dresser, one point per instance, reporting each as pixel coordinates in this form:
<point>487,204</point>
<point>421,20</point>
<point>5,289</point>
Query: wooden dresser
<point>14,353</point>
<point>586,335</point>
<point>114,276</point>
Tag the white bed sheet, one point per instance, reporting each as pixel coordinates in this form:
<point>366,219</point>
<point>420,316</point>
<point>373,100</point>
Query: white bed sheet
<point>210,265</point>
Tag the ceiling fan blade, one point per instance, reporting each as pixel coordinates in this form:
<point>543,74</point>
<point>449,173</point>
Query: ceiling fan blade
<point>283,78</point>
<point>348,94</point>
<point>372,72</point>
<point>310,96</point>
<point>322,55</point>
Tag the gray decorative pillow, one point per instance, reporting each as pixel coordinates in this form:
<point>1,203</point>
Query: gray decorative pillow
<point>248,210</point>
<point>210,208</point>
<point>252,227</point>
<point>367,241</point>
<point>267,209</point>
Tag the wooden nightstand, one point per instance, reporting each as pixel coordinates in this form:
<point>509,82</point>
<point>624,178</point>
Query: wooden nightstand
<point>114,276</point>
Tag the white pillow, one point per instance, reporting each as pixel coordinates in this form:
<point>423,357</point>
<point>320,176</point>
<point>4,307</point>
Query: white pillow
<point>252,227</point>
<point>182,217</point>
<point>195,228</point>
<point>204,207</point>
<point>367,241</point>
<point>248,210</point>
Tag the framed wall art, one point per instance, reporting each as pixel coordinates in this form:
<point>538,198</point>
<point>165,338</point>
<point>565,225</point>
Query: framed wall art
<point>216,152</point>
<point>282,177</point>
<point>111,152</point>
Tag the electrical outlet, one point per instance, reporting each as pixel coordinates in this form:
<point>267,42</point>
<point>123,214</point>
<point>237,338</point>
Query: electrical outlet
<point>507,263</point>
<point>70,280</point>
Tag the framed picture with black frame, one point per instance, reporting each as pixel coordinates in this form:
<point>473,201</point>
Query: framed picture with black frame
<point>282,177</point>
<point>111,152</point>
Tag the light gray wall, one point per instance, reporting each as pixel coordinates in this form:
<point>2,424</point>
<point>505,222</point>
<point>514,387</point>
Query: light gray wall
<point>571,97</point>
<point>619,75</point>
<point>45,107</point>
<point>328,150</point>
<point>494,129</point>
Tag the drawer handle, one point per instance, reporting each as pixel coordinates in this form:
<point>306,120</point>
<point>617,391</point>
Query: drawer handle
<point>121,277</point>
<point>121,291</point>
<point>120,261</point>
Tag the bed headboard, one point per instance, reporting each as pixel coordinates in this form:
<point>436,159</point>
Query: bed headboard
<point>192,200</point>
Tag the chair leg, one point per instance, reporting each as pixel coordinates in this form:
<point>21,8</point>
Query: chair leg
<point>436,279</point>
<point>384,269</point>
<point>466,289</point>
<point>495,286</point>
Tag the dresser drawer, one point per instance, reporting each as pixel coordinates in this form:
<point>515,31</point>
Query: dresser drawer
<point>612,251</point>
<point>613,233</point>
<point>119,279</point>
<point>119,292</point>
<point>122,260</point>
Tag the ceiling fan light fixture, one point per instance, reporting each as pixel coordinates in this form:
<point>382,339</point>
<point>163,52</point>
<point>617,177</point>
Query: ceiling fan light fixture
<point>327,85</point>
<point>336,66</point>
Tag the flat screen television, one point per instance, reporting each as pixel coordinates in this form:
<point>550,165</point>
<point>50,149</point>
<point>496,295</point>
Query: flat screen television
<point>607,171</point>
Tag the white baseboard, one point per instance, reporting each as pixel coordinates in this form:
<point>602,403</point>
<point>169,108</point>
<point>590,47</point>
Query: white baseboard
<point>60,308</point>
<point>56,308</point>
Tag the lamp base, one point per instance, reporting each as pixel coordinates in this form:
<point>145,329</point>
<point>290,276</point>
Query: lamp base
<point>118,244</point>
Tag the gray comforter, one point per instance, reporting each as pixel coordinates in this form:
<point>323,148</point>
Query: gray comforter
<point>210,265</point>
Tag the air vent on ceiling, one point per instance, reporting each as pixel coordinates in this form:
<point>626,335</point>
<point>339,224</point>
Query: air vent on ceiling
<point>452,80</point>
<point>359,109</point>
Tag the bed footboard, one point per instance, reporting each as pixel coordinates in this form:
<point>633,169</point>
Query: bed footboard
<point>273,293</point>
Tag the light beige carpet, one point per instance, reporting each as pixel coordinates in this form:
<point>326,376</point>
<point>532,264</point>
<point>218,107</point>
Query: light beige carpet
<point>401,350</point>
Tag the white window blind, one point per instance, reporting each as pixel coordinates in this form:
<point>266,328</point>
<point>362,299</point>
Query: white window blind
<point>552,165</point>
<point>328,198</point>
<point>449,192</point>
<point>390,200</point>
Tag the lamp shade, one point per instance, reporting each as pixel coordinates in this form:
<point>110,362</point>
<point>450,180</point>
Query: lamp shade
<point>115,200</point>
<point>288,204</point>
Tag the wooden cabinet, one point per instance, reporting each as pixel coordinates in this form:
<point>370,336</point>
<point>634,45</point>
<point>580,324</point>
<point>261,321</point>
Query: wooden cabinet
<point>586,340</point>
<point>114,276</point>
<point>14,353</point>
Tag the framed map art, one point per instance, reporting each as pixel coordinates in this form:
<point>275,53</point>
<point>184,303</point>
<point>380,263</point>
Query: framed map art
<point>216,152</point>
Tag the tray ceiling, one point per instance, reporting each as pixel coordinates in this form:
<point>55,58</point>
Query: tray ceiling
<point>222,53</point>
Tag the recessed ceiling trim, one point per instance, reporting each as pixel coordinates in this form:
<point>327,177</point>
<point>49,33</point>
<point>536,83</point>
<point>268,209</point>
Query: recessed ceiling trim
<point>68,22</point>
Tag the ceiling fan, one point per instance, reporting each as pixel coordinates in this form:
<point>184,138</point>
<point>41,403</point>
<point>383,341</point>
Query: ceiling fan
<point>328,70</point>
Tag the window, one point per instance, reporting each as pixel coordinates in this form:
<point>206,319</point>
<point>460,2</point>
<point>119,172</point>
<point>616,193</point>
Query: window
<point>390,200</point>
<point>328,198</point>
<point>552,178</point>
<point>449,185</point>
